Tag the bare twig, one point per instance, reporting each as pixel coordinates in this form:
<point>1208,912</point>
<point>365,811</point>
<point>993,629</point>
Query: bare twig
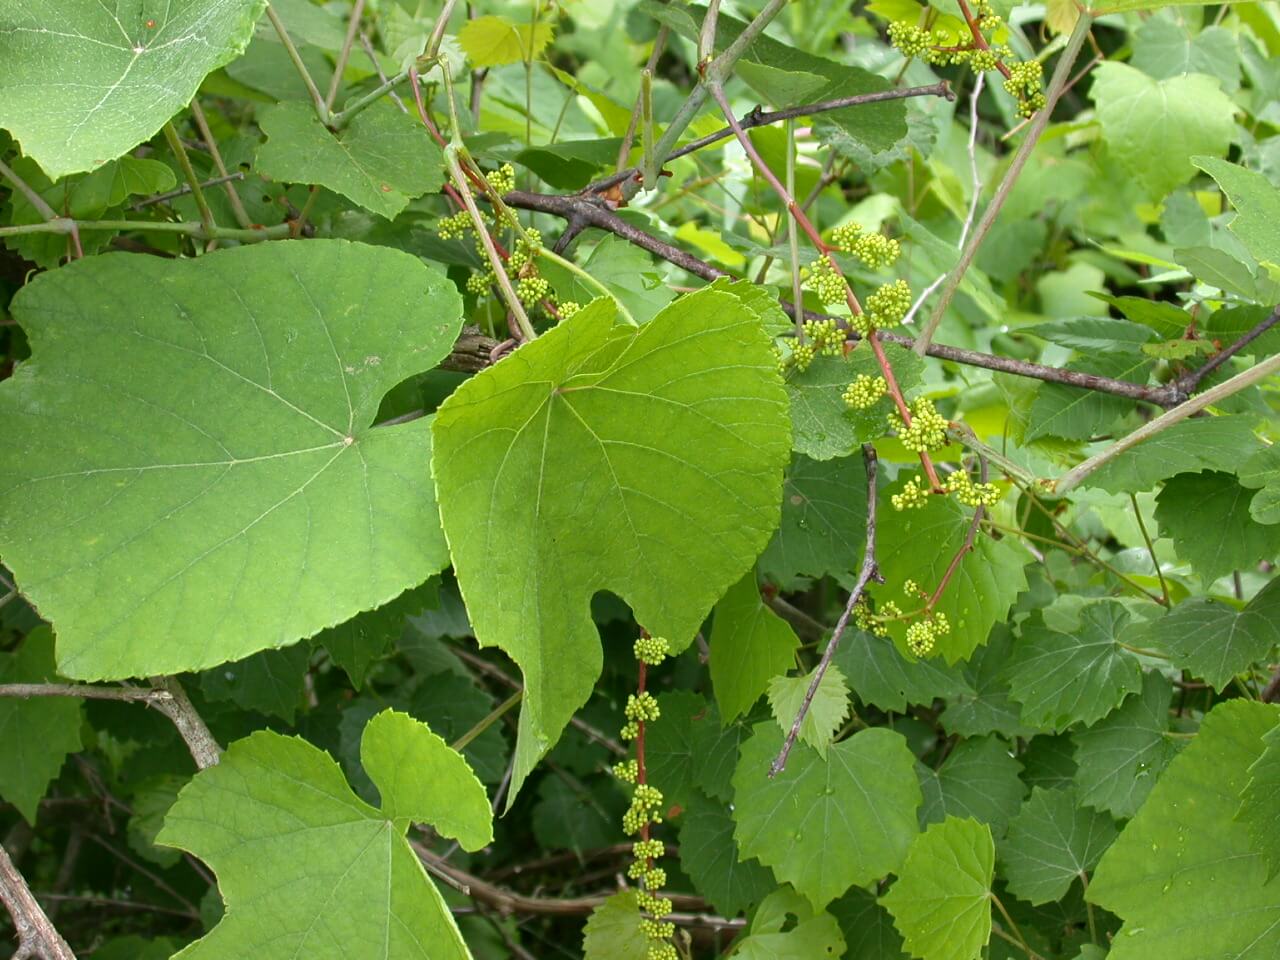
<point>191,727</point>
<point>183,190</point>
<point>37,936</point>
<point>85,690</point>
<point>1192,379</point>
<point>868,572</point>
<point>1036,128</point>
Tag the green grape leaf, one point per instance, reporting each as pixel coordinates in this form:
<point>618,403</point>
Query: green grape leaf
<point>570,164</point>
<point>1208,517</point>
<point>1075,414</point>
<point>978,780</point>
<point>1260,802</point>
<point>114,183</point>
<point>360,642</point>
<point>612,932</point>
<point>1119,758</point>
<point>1061,679</point>
<point>1163,48</point>
<point>629,274</point>
<point>869,933</point>
<point>196,433</point>
<point>576,816</point>
<point>941,901</point>
<point>649,462</point>
<point>270,681</point>
<point>1257,208</point>
<point>827,710</point>
<point>279,825</point>
<point>670,744</point>
<point>1211,638</point>
<point>150,802</point>
<point>710,857</point>
<point>381,161</point>
<point>715,751</point>
<point>883,677</point>
<point>1262,471</point>
<point>824,427</point>
<point>1048,761</point>
<point>1188,114</point>
<point>750,645</point>
<point>985,583</point>
<point>1184,875</point>
<point>452,706</point>
<point>824,519</point>
<point>986,706</point>
<point>773,935</point>
<point>135,66</point>
<point>1202,443</point>
<point>1051,843</point>
<point>1094,334</point>
<point>825,825</point>
<point>36,734</point>
<point>491,41</point>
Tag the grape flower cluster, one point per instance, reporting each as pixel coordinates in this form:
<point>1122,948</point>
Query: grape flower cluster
<point>825,281</point>
<point>923,634</point>
<point>928,430</point>
<point>960,485</point>
<point>874,249</point>
<point>646,809</point>
<point>865,391</point>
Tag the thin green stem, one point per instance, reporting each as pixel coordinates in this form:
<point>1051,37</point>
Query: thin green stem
<point>1151,548</point>
<point>348,113</point>
<point>1057,84</point>
<point>1019,939</point>
<point>340,67</point>
<point>1247,378</point>
<point>964,435</point>
<point>590,281</point>
<point>1093,923</point>
<point>793,238</point>
<point>189,173</point>
<point>649,163</point>
<point>197,231</point>
<point>1142,651</point>
<point>487,721</point>
<point>233,197</point>
<point>50,215</point>
<point>317,99</point>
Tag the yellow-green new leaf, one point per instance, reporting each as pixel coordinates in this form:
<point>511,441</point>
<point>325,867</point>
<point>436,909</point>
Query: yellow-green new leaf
<point>643,461</point>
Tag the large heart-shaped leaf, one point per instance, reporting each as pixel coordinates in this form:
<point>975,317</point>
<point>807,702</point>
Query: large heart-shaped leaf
<point>194,475</point>
<point>599,457</point>
<point>84,81</point>
<point>306,868</point>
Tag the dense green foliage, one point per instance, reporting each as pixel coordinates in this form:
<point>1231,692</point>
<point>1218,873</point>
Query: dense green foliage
<point>431,528</point>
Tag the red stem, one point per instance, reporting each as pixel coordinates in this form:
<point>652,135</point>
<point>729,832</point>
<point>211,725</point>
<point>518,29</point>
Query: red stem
<point>979,40</point>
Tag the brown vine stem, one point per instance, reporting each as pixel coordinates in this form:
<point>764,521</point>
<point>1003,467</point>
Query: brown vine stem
<point>85,690</point>
<point>802,220</point>
<point>1189,381</point>
<point>37,936</point>
<point>50,215</point>
<point>191,727</point>
<point>1060,75</point>
<point>868,572</point>
<point>1247,378</point>
<point>979,40</point>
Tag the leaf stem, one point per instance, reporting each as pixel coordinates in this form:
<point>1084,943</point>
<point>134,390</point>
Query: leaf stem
<point>590,281</point>
<point>1019,939</point>
<point>1246,378</point>
<point>344,54</point>
<point>868,572</point>
<point>193,181</point>
<point>197,231</point>
<point>1151,549</point>
<point>317,99</point>
<point>42,208</point>
<point>487,721</point>
<point>1056,85</point>
<point>237,208</point>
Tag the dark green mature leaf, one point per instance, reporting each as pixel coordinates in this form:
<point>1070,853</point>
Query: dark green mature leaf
<point>825,825</point>
<point>882,676</point>
<point>711,858</point>
<point>868,928</point>
<point>1208,517</point>
<point>715,751</point>
<point>197,434</point>
<point>670,744</point>
<point>941,901</point>
<point>982,589</point>
<point>750,645</point>
<point>36,734</point>
<point>288,839</point>
<point>1203,443</point>
<point>1212,639</point>
<point>787,928</point>
<point>1094,334</point>
<point>1257,221</point>
<point>1061,679</point>
<point>570,164</point>
<point>135,66</point>
<point>979,780</point>
<point>824,427</point>
<point>575,816</point>
<point>824,518</point>
<point>1185,875</point>
<point>1075,414</point>
<point>360,642</point>
<point>381,161</point>
<point>1262,470</point>
<point>649,463</point>
<point>452,706</point>
<point>1163,48</point>
<point>270,681</point>
<point>1051,843</point>
<point>1119,758</point>
<point>1260,802</point>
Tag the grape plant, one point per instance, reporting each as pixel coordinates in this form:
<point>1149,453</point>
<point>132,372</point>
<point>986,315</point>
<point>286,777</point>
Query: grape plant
<point>639,479</point>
